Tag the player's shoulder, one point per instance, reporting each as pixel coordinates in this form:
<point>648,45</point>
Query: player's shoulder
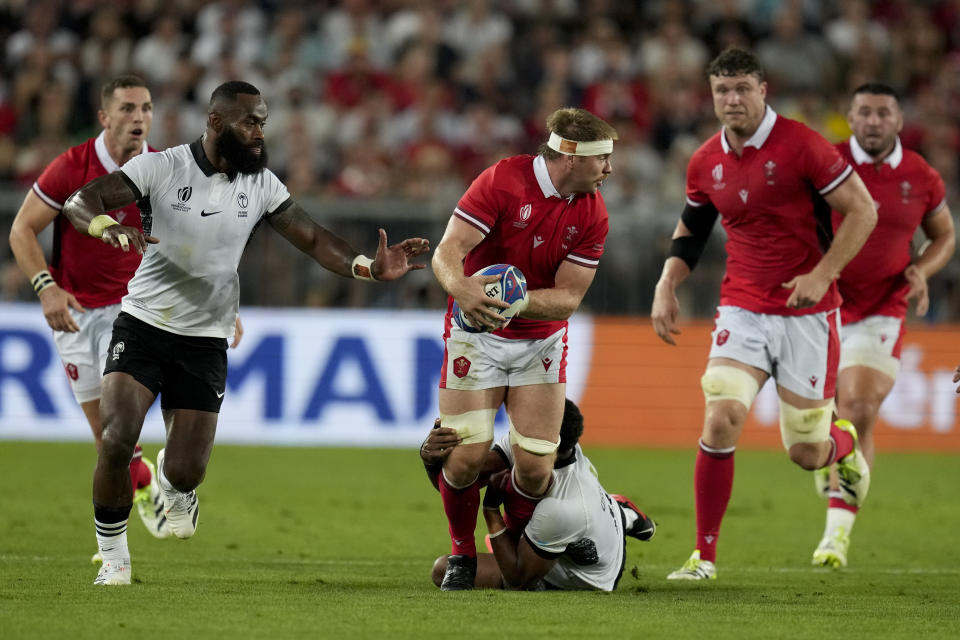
<point>711,147</point>
<point>79,154</point>
<point>913,161</point>
<point>794,131</point>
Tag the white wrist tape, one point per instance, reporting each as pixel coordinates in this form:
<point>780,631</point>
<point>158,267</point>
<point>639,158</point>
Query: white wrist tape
<point>362,268</point>
<point>98,224</point>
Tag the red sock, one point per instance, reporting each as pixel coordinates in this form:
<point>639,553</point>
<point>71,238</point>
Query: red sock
<point>139,473</point>
<point>840,503</point>
<point>461,507</point>
<point>517,507</point>
<point>842,443</point>
<point>712,485</point>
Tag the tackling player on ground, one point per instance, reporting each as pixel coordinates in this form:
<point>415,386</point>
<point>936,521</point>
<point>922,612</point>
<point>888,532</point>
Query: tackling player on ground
<point>80,290</point>
<point>543,214</point>
<point>878,283</point>
<point>575,539</point>
<point>207,198</point>
<point>778,315</point>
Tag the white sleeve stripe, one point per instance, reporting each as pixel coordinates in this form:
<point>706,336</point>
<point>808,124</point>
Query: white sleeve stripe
<point>587,262</point>
<point>695,204</point>
<point>466,217</point>
<point>47,199</point>
<point>836,182</point>
<point>936,208</point>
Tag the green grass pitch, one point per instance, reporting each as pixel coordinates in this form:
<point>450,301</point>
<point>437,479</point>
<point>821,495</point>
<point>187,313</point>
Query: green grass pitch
<point>305,542</point>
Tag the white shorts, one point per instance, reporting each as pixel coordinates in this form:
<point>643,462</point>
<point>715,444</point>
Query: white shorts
<point>800,352</point>
<point>873,342</point>
<point>475,361</point>
<point>84,353</point>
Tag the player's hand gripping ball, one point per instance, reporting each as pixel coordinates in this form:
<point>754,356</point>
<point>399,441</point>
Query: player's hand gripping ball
<point>511,288</point>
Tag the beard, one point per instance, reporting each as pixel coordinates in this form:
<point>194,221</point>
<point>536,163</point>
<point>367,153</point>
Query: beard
<point>240,156</point>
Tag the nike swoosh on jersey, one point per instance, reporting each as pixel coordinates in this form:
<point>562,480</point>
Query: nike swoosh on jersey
<point>220,393</point>
<point>204,214</point>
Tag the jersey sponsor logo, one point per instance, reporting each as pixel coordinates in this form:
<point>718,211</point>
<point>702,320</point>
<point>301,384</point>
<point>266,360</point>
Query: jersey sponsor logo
<point>183,194</point>
<point>743,195</point>
<point>117,350</point>
<point>717,174</point>
<point>768,168</point>
<point>72,371</point>
<point>722,337</point>
<point>204,214</point>
<point>537,241</point>
<point>461,367</point>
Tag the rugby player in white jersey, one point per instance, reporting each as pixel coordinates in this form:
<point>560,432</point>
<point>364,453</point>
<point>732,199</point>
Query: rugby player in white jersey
<point>575,539</point>
<point>207,198</point>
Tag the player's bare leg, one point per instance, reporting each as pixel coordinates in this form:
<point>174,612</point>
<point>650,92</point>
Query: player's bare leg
<point>182,464</point>
<point>122,408</point>
<point>860,392</point>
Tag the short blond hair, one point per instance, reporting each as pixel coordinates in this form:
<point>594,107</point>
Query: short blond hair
<point>575,124</point>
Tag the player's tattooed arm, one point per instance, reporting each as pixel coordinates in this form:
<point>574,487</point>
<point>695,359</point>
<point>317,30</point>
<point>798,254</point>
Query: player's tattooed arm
<point>92,202</point>
<point>329,250</point>
<point>97,197</point>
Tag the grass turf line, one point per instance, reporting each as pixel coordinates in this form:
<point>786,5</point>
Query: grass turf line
<point>336,542</point>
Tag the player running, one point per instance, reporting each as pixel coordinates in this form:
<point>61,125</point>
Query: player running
<point>80,290</point>
<point>207,198</point>
<point>879,282</point>
<point>778,315</point>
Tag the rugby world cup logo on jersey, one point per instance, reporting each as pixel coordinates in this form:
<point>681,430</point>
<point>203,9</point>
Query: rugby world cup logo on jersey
<point>183,194</point>
<point>243,201</point>
<point>717,174</point>
<point>523,217</point>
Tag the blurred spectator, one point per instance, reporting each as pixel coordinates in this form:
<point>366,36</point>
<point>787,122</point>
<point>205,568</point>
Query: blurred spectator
<point>157,56</point>
<point>106,50</point>
<point>796,60</point>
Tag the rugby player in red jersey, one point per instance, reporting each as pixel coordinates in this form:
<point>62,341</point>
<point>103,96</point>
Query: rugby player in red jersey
<point>768,177</point>
<point>80,290</point>
<point>878,283</point>
<point>544,215</point>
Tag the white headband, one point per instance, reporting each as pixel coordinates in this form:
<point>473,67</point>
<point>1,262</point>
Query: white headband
<point>574,148</point>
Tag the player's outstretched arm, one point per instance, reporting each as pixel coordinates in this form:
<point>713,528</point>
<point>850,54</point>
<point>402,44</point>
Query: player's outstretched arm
<point>334,253</point>
<point>852,200</point>
<point>34,216</point>
<point>938,227</point>
<point>87,211</point>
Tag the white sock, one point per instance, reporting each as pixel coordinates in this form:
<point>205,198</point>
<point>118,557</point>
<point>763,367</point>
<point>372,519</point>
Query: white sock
<point>836,518</point>
<point>112,541</point>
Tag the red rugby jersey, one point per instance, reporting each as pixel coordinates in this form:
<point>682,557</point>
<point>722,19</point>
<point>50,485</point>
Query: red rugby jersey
<point>906,190</point>
<point>528,224</point>
<point>90,269</point>
<point>766,199</point>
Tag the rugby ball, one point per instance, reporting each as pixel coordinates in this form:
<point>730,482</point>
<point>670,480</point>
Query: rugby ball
<point>511,288</point>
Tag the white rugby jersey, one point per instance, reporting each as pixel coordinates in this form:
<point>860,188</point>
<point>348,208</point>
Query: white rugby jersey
<point>188,283</point>
<point>580,521</point>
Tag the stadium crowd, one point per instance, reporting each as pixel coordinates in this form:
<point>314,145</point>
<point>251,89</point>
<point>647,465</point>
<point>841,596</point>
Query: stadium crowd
<point>405,101</point>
